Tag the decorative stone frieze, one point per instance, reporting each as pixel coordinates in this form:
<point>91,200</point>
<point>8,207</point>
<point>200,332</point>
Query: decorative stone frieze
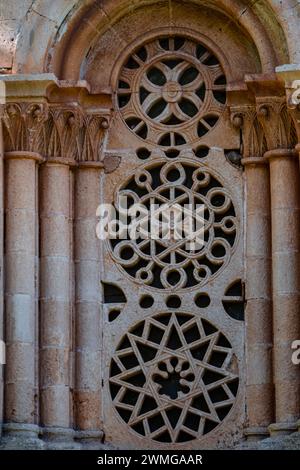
<point>64,122</point>
<point>272,112</point>
<point>54,131</point>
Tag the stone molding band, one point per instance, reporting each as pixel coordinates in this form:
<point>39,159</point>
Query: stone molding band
<point>24,155</point>
<point>254,161</point>
<point>19,155</point>
<point>280,153</point>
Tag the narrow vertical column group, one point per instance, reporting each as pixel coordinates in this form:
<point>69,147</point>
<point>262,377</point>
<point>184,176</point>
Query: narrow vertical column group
<point>55,300</point>
<point>285,207</point>
<point>259,379</point>
<point>2,345</point>
<point>298,147</point>
<point>56,338</point>
<point>53,138</point>
<point>298,150</point>
<point>20,293</point>
<point>87,302</point>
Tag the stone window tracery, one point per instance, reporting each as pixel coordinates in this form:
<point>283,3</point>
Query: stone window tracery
<point>169,263</point>
<point>171,91</point>
<point>173,377</point>
<point>173,372</point>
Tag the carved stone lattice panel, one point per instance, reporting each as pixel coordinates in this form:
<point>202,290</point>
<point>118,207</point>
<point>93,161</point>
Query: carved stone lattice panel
<point>171,91</point>
<point>170,263</point>
<point>173,378</point>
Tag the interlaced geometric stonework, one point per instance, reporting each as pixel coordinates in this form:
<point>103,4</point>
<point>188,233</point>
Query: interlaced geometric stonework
<point>171,91</point>
<point>169,263</point>
<point>173,377</point>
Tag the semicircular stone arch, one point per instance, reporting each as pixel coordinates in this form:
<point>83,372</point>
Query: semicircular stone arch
<point>58,37</point>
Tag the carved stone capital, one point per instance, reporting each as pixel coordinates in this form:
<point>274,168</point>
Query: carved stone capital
<point>277,123</point>
<point>295,116</point>
<point>274,119</point>
<point>55,131</point>
<point>294,95</point>
<point>264,119</point>
<point>23,126</point>
<point>293,103</point>
<point>290,75</point>
<point>271,108</point>
<point>244,117</point>
<point>62,121</point>
<point>62,133</point>
<point>95,127</point>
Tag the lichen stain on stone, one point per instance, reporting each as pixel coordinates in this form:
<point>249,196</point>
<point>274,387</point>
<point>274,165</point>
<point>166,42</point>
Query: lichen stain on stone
<point>111,163</point>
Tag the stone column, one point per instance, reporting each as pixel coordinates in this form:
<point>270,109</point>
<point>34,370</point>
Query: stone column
<point>298,150</point>
<point>55,302</point>
<point>259,382</point>
<point>2,346</point>
<point>20,293</point>
<point>285,205</point>
<point>87,295</point>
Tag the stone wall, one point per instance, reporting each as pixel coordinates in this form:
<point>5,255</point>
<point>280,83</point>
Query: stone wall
<point>78,123</point>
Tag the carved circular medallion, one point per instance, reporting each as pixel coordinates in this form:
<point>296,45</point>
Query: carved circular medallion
<point>171,91</point>
<point>169,261</point>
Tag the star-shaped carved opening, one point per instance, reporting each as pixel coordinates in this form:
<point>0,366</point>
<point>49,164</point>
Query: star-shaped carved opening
<point>173,377</point>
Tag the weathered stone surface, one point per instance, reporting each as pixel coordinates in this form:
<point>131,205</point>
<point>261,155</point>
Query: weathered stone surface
<point>117,344</point>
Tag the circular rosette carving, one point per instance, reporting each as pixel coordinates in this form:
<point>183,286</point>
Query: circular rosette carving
<point>173,377</point>
<point>159,250</point>
<point>171,91</point>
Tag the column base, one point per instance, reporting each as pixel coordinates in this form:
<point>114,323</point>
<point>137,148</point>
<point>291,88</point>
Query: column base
<point>282,429</point>
<point>254,434</point>
<point>18,436</point>
<point>59,439</point>
<point>90,440</point>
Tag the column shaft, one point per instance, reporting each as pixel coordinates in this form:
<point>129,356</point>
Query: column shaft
<point>259,383</point>
<point>87,275</point>
<point>20,286</point>
<point>2,350</point>
<point>285,203</point>
<point>55,303</point>
<point>298,150</point>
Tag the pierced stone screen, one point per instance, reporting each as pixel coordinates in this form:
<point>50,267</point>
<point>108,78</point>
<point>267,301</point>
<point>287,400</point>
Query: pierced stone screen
<point>173,377</point>
<point>168,263</point>
<point>171,91</point>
